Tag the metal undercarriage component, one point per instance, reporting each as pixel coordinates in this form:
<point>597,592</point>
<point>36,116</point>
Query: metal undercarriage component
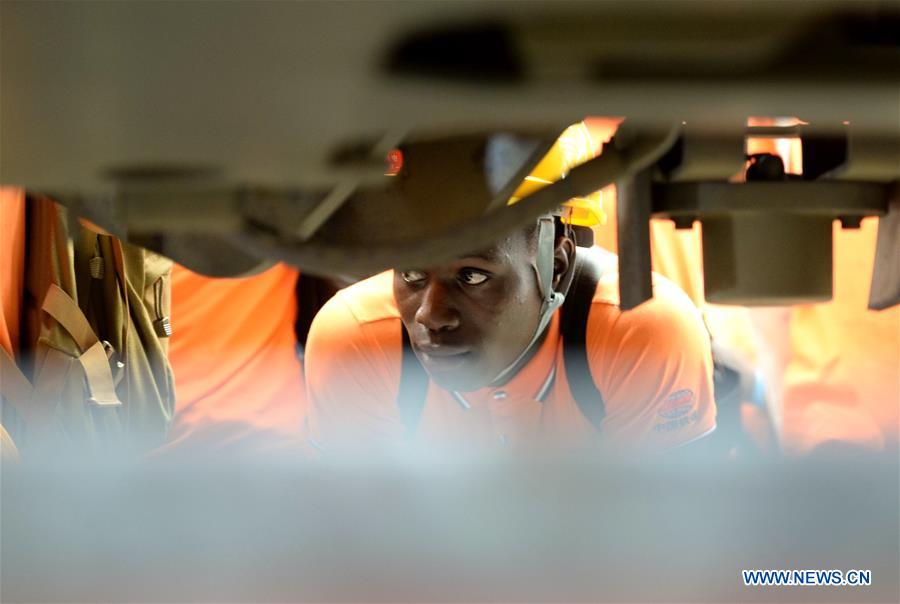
<point>230,136</point>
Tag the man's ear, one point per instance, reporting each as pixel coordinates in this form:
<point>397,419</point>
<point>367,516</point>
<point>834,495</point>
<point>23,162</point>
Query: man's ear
<point>563,256</point>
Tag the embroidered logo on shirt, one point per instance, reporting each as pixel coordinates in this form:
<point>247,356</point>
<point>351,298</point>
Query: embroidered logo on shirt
<point>677,404</point>
<point>676,411</point>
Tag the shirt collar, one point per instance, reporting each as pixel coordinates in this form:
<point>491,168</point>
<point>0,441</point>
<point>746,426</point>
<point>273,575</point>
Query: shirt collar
<point>531,381</point>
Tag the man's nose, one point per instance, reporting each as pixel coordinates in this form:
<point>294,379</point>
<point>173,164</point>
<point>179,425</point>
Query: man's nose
<point>436,310</point>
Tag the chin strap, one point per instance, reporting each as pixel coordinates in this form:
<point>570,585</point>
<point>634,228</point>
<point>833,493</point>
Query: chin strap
<point>550,300</point>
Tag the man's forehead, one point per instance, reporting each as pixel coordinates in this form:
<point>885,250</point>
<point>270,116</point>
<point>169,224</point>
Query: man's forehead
<point>508,249</point>
<point>495,253</point>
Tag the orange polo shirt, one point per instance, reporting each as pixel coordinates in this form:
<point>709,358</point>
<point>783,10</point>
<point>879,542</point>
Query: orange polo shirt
<point>238,379</point>
<point>652,366</point>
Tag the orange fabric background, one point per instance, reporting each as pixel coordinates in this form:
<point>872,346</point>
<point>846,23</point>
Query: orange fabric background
<point>842,378</point>
<point>12,280</point>
<point>239,382</point>
<point>836,364</point>
<point>12,264</point>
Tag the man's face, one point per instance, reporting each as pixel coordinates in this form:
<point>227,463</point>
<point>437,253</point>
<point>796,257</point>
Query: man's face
<point>469,319</point>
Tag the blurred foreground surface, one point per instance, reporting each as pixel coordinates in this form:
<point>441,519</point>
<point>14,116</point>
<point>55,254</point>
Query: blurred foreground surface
<point>451,530</point>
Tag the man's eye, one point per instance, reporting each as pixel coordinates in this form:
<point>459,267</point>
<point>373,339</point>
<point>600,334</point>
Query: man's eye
<point>413,276</point>
<point>472,277</point>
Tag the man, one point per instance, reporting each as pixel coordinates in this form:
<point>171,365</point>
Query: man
<point>488,330</point>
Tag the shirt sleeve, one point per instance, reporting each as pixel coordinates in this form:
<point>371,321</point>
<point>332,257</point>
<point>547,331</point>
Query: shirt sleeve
<point>352,377</point>
<point>653,366</point>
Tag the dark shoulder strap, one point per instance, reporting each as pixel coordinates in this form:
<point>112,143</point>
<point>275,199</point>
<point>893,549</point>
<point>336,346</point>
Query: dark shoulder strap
<point>574,332</point>
<point>312,293</point>
<point>413,386</point>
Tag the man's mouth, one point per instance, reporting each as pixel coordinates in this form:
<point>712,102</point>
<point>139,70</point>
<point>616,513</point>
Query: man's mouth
<point>442,350</point>
<point>443,356</point>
